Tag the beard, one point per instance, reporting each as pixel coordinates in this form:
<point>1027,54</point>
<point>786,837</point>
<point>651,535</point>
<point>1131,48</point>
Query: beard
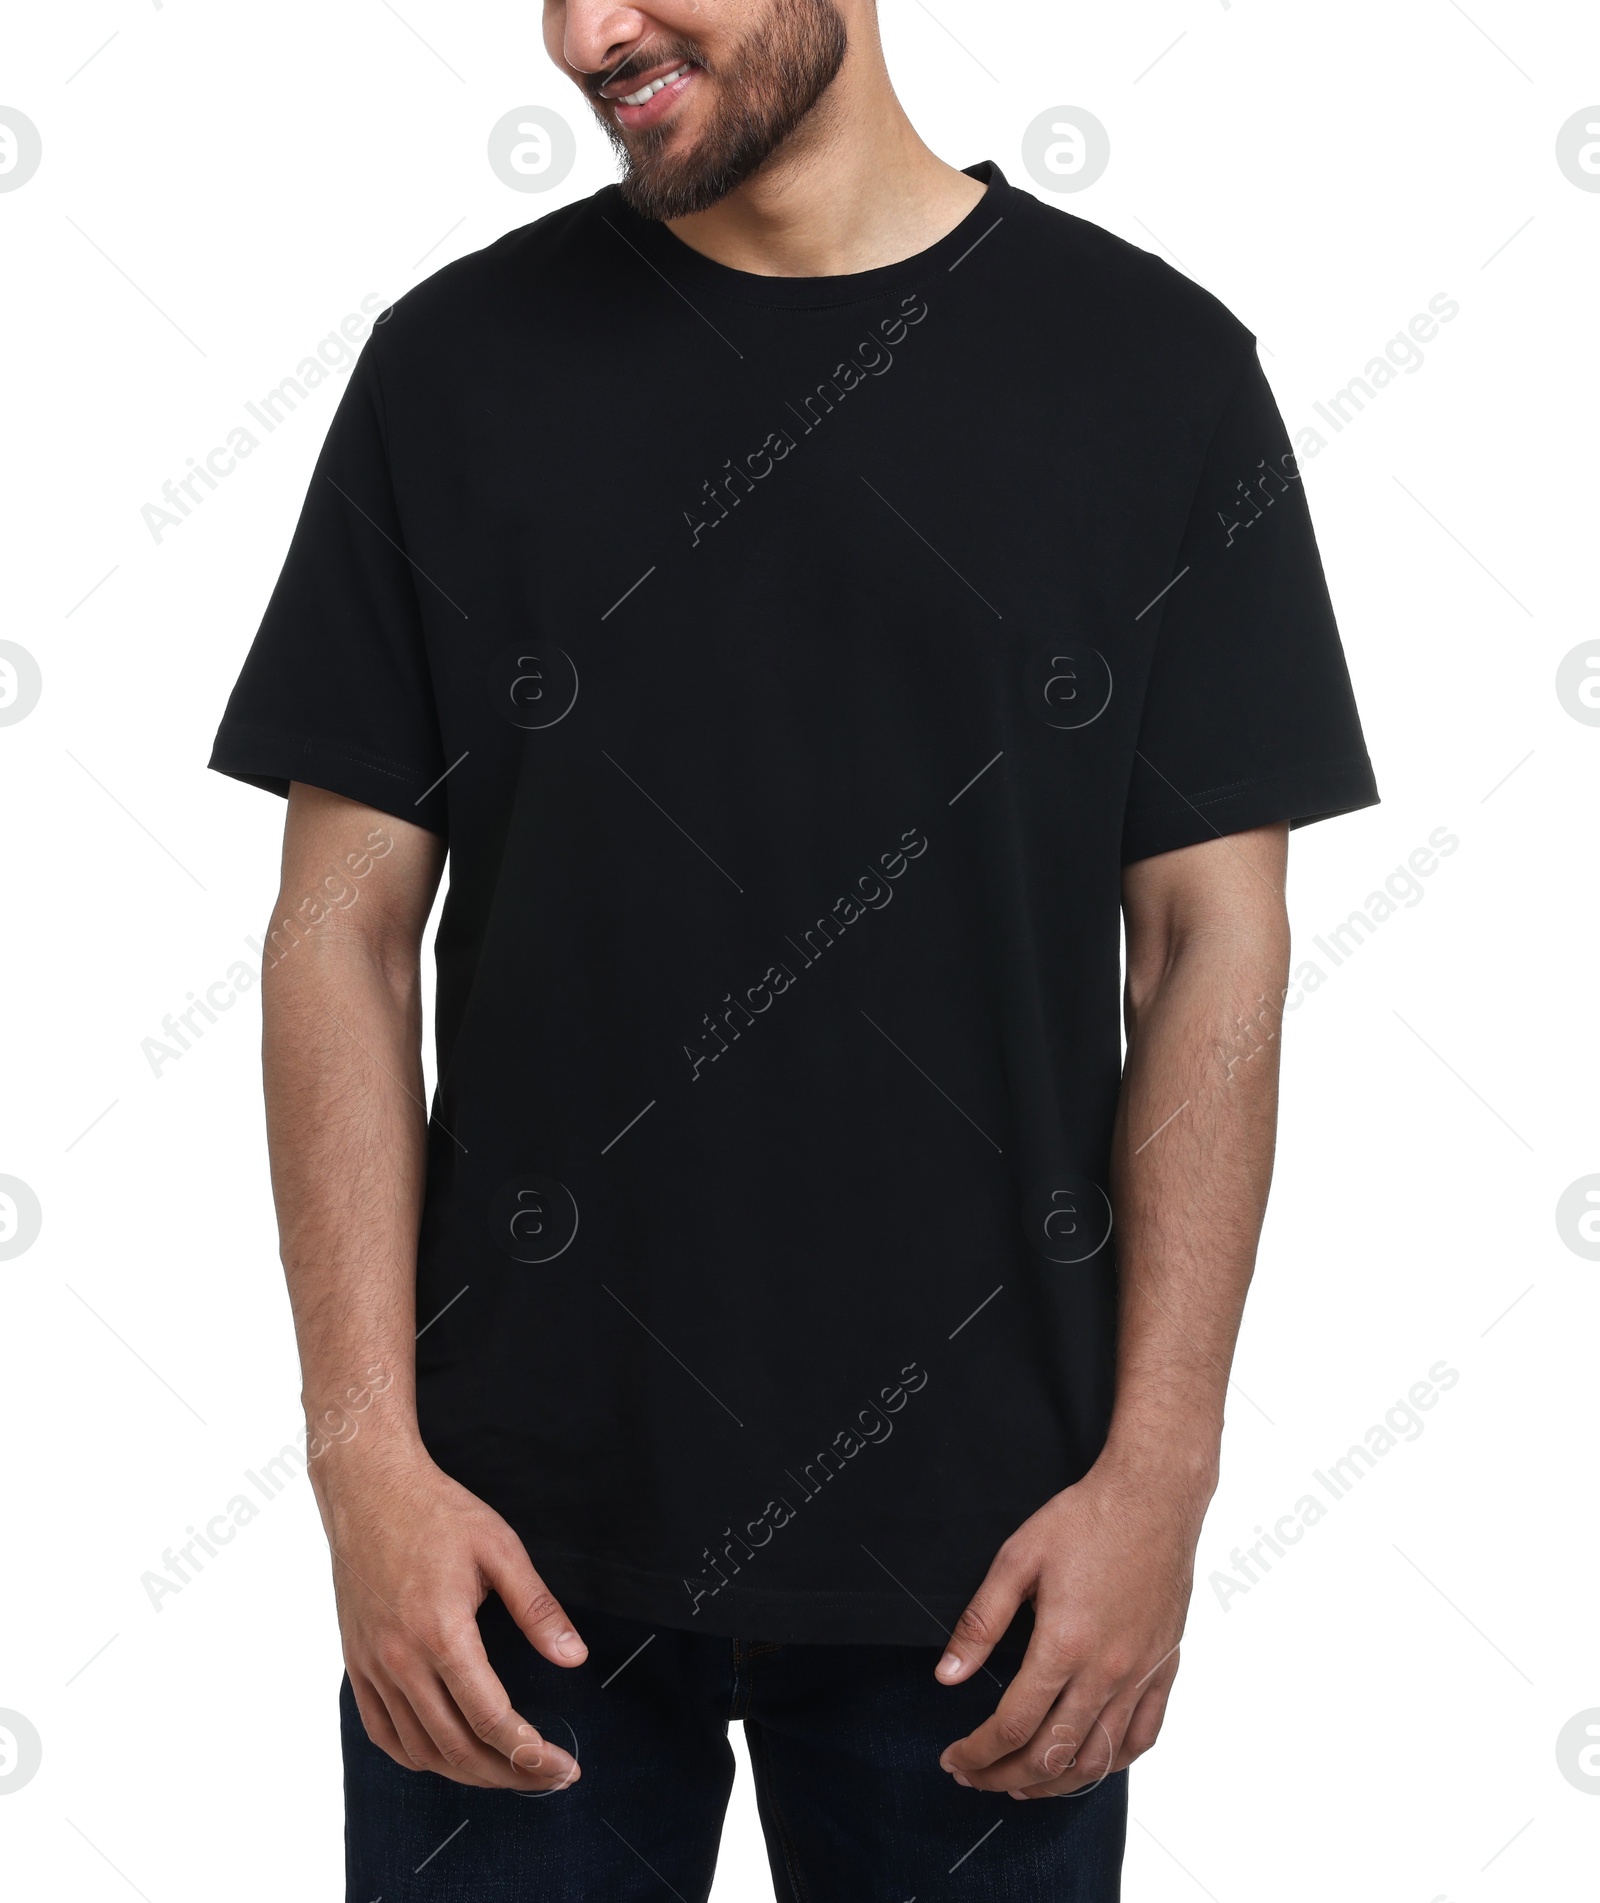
<point>759,95</point>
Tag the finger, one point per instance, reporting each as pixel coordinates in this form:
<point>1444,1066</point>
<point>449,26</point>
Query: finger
<point>479,1702</point>
<point>375,1719</point>
<point>421,1753</point>
<point>1060,1746</point>
<point>1046,1667</point>
<point>468,1760</point>
<point>981,1627</point>
<point>1144,1727</point>
<point>1123,1730</point>
<point>1089,1766</point>
<point>537,1757</point>
<point>531,1603</point>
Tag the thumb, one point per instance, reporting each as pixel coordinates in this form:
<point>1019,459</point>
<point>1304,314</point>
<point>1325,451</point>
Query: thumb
<point>981,1627</point>
<point>531,1603</point>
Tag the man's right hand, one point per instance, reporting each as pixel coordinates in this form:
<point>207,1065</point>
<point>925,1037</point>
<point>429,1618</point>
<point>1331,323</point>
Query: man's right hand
<point>414,1556</point>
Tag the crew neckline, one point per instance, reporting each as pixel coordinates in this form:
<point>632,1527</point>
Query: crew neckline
<point>683,266</point>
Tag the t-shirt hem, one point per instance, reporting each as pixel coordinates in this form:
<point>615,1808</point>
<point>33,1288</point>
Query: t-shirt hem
<point>268,758</point>
<point>796,1617</point>
<point>1301,794</point>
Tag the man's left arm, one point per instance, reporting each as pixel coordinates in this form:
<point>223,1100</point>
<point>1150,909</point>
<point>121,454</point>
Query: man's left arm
<point>1108,1563</point>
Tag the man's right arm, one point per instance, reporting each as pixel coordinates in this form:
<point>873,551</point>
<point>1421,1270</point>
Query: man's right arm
<point>414,1553</point>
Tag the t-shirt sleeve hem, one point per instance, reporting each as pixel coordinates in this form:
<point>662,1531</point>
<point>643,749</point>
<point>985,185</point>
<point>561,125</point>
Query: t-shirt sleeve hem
<point>270,759</point>
<point>1299,794</point>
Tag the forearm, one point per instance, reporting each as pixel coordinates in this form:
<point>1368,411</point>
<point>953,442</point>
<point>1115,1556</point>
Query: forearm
<point>346,1129</point>
<point>414,1552</point>
<point>1192,1162</point>
<point>1108,1563</point>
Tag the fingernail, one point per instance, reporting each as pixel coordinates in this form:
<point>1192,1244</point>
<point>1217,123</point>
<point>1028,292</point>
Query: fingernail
<point>570,1646</point>
<point>1020,1796</point>
<point>963,1782</point>
<point>948,1666</point>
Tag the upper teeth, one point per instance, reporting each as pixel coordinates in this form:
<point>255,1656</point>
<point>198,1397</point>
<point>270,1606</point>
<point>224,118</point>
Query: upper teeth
<point>646,92</point>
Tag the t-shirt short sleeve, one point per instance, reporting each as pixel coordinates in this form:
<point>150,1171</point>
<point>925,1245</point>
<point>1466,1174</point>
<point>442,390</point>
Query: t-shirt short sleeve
<point>336,690</point>
<point>1248,717</point>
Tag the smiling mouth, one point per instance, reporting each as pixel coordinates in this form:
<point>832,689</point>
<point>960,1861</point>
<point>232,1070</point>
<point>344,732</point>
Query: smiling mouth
<point>652,97</point>
<point>653,86</point>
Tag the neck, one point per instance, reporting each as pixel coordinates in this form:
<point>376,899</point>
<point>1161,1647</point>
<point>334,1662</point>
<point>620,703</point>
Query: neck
<point>852,189</point>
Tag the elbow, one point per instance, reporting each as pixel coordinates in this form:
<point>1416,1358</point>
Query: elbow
<point>1246,959</point>
<point>302,932</point>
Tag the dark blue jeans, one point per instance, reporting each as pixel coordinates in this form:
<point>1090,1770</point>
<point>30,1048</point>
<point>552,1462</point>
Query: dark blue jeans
<point>844,1743</point>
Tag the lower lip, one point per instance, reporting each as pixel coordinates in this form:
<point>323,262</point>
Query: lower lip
<point>657,106</point>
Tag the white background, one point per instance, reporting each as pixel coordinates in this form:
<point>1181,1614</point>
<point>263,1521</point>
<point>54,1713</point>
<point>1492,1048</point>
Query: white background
<point>220,186</point>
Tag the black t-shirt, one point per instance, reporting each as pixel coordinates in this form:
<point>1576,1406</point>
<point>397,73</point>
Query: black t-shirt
<point>792,665</point>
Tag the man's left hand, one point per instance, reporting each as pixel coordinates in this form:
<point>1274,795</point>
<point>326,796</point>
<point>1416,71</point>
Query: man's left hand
<point>1108,1565</point>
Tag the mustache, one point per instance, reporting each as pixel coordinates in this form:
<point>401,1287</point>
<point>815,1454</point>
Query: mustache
<point>673,52</point>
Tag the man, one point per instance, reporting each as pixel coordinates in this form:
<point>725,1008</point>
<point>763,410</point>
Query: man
<point>814,595</point>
